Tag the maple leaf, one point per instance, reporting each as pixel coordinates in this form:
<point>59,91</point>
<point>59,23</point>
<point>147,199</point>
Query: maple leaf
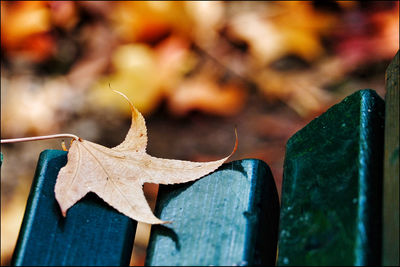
<point>117,174</point>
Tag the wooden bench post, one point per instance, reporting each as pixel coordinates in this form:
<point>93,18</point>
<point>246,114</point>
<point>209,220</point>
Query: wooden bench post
<point>331,208</point>
<point>93,233</point>
<point>230,217</point>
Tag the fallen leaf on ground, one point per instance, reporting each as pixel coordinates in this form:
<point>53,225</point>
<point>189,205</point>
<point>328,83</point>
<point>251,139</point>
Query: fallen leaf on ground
<point>203,93</point>
<point>117,174</point>
<point>281,28</point>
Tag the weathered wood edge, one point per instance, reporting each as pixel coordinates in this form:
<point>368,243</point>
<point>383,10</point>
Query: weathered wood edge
<point>390,246</point>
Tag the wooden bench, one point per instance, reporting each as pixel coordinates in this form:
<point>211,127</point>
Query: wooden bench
<point>340,203</point>
<point>229,206</point>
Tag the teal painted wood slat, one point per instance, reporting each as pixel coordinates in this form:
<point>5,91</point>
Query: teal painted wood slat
<point>229,217</point>
<point>93,233</point>
<point>332,187</point>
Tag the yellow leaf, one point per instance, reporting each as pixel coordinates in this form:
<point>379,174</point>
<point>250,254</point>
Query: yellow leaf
<point>135,71</point>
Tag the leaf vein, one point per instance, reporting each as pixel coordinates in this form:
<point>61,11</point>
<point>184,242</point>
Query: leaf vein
<point>111,178</point>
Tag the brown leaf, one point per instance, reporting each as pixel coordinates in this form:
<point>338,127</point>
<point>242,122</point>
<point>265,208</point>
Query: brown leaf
<point>117,174</point>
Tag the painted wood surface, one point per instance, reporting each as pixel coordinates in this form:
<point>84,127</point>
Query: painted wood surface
<point>391,235</point>
<point>230,217</point>
<point>332,187</point>
<point>92,234</point>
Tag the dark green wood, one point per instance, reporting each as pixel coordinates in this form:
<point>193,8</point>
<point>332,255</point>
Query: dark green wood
<point>332,187</point>
<point>93,233</point>
<point>229,217</point>
<point>391,235</point>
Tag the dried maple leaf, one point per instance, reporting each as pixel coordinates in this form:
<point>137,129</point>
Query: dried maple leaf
<point>118,174</point>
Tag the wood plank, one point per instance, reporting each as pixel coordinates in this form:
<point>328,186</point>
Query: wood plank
<point>229,217</point>
<point>332,187</point>
<point>390,248</point>
<point>93,233</point>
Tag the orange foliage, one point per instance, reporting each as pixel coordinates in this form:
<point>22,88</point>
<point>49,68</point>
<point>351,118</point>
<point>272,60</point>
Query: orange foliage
<point>24,29</point>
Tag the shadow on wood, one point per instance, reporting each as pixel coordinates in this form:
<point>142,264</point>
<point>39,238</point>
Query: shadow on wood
<point>229,217</point>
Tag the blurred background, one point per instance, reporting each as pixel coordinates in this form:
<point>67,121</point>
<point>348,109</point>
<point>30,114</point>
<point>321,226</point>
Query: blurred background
<point>196,70</point>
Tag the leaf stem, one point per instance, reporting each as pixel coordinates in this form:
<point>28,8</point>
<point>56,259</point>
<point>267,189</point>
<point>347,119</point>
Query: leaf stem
<point>43,137</point>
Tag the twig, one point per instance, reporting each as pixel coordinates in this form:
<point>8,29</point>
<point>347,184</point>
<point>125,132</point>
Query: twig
<point>43,137</point>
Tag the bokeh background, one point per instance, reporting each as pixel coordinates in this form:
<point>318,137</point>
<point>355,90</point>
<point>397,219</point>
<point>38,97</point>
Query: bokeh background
<point>196,70</point>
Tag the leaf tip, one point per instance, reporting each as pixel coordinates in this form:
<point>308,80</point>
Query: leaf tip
<point>127,99</point>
